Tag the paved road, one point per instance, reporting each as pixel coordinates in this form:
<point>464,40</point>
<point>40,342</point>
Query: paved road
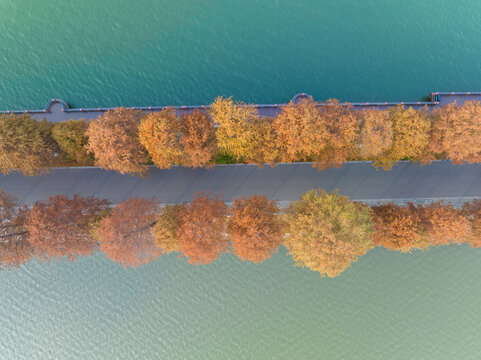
<point>359,181</point>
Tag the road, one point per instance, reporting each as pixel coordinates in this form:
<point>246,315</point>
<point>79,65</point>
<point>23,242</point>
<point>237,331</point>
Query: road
<point>286,182</point>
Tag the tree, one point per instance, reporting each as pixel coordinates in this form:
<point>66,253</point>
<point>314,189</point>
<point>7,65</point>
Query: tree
<point>255,228</point>
<point>198,139</point>
<point>160,134</point>
<point>113,139</point>
<point>59,226</point>
<point>266,149</point>
<point>399,227</point>
<point>325,135</point>
<point>202,229</point>
<point>71,139</point>
<point>444,224</point>
<point>410,136</point>
<point>472,210</point>
<point>327,232</point>
<point>301,133</point>
<point>343,130</point>
<point>456,132</point>
<point>126,235</point>
<point>236,133</point>
<point>375,134</point>
<point>15,249</point>
<point>167,227</point>
<point>23,145</point>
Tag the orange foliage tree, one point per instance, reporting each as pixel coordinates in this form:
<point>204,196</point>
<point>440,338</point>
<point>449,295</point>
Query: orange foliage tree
<point>399,227</point>
<point>198,139</point>
<point>126,234</point>
<point>59,226</point>
<point>301,133</point>
<point>113,139</point>
<point>255,228</point>
<point>327,232</point>
<point>160,134</point>
<point>375,133</point>
<point>326,135</point>
<point>472,210</point>
<point>456,132</point>
<point>201,235</point>
<point>445,224</point>
<point>15,249</point>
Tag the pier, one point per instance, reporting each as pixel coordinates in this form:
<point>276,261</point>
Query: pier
<point>58,110</point>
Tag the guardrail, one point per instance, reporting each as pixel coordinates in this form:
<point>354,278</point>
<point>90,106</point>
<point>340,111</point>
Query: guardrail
<point>435,100</point>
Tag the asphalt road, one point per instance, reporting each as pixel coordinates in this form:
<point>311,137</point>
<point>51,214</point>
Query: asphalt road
<point>286,182</point>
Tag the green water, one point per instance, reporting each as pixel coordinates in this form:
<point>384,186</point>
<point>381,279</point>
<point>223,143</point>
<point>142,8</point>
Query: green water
<point>112,52</point>
<point>144,52</point>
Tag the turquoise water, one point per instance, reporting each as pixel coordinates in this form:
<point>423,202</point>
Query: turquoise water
<point>144,52</point>
<point>112,52</point>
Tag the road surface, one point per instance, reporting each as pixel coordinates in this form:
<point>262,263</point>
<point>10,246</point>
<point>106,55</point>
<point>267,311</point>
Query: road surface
<point>286,182</point>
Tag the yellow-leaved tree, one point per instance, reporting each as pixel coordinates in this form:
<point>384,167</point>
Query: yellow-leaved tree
<point>327,232</point>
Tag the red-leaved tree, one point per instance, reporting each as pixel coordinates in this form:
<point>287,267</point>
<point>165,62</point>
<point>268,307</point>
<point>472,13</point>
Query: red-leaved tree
<point>126,235</point>
<point>201,235</point>
<point>59,226</point>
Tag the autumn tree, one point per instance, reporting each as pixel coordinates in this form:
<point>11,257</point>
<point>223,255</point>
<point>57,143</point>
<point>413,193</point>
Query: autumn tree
<point>399,227</point>
<point>201,234</point>
<point>24,144</point>
<point>325,134</point>
<point>198,139</point>
<point>301,133</point>
<point>375,137</point>
<point>15,249</point>
<point>266,149</point>
<point>456,132</point>
<point>445,224</point>
<point>236,134</point>
<point>327,232</point>
<point>472,210</point>
<point>410,139</point>
<point>59,227</point>
<point>160,133</point>
<point>71,139</point>
<point>255,228</point>
<point>167,227</point>
<point>113,139</point>
<point>126,234</point>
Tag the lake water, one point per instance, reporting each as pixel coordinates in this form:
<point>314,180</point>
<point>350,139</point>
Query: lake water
<point>112,52</point>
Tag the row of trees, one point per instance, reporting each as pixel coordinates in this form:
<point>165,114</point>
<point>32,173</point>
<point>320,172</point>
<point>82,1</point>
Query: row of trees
<point>128,140</point>
<point>323,232</point>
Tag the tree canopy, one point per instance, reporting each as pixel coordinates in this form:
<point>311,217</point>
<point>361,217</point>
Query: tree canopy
<point>24,144</point>
<point>167,226</point>
<point>71,139</point>
<point>198,139</point>
<point>126,234</point>
<point>15,249</point>
<point>160,134</point>
<point>236,134</point>
<point>456,132</point>
<point>201,235</point>
<point>113,139</point>
<point>255,228</point>
<point>59,226</point>
<point>327,232</point>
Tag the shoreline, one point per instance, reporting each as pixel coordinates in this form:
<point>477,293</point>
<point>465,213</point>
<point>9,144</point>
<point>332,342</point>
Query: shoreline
<point>58,110</point>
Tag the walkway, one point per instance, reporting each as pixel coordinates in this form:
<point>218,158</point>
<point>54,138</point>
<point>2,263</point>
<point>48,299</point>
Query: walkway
<point>286,182</point>
<point>58,110</point>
